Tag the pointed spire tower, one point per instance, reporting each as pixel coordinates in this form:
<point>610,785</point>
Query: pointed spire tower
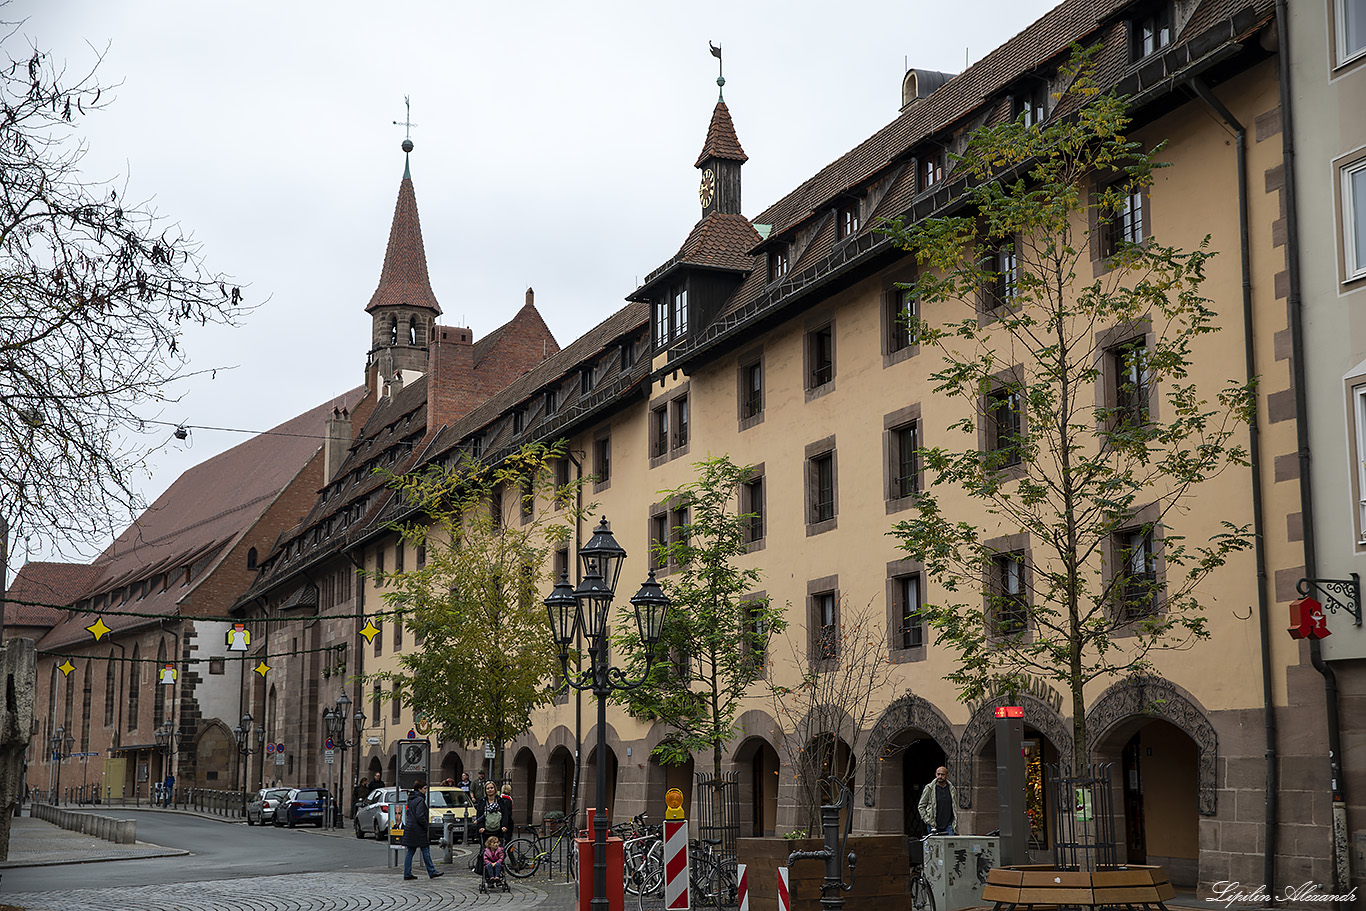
<point>403,309</point>
<point>721,157</point>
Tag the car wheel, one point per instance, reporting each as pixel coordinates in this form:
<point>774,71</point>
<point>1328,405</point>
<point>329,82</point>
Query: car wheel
<point>250,821</point>
<point>292,821</point>
<point>359,832</point>
<point>378,837</point>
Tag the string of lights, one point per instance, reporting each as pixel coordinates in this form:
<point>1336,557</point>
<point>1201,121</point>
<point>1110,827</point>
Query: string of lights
<point>110,612</point>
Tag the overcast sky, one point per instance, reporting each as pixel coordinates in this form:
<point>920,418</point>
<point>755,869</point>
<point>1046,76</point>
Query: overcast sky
<point>554,149</point>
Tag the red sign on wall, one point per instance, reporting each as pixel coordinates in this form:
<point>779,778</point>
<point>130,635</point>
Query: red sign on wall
<point>1307,620</point>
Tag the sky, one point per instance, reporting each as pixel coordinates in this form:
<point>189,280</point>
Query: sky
<point>554,149</point>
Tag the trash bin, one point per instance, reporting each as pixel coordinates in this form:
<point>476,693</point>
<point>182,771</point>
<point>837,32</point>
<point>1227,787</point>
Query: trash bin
<point>956,868</point>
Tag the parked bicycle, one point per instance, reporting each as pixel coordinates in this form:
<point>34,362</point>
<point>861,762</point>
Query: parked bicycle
<point>643,856</point>
<point>523,856</point>
<point>922,898</point>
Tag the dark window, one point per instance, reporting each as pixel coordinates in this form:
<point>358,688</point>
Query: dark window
<point>905,474</point>
<point>659,436</point>
<point>755,637</point>
<point>561,475</point>
<point>628,354</point>
<point>778,263</point>
<point>395,706</point>
<point>134,690</point>
<point>1010,603</point>
<point>518,421</point>
<point>911,629</point>
<point>1152,31</point>
<point>587,380</point>
<point>752,504</point>
<point>659,537</point>
<point>496,507</point>
<point>827,626</point>
<point>823,488</point>
<point>931,170</point>
<point>847,219</point>
<point>560,564</point>
<point>680,311</point>
<point>1126,224</point>
<point>1029,106</point>
<point>1005,275</point>
<point>752,389</point>
<point>602,459</point>
<point>477,446</point>
<point>1137,580</point>
<point>374,701</point>
<point>398,557</point>
<point>421,559</point>
<point>821,344</point>
<point>903,309</point>
<point>528,497</point>
<point>552,401</point>
<point>1005,426</point>
<point>680,409</point>
<point>398,633</point>
<point>109,692</point>
<point>1130,362</point>
<point>678,533</point>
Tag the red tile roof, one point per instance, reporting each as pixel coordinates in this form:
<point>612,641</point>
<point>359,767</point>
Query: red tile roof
<point>46,583</point>
<point>721,139</point>
<point>403,281</point>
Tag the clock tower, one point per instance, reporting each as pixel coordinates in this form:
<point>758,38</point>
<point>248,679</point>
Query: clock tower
<point>719,188</point>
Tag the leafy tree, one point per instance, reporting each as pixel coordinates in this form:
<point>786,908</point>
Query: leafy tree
<point>474,605</point>
<point>94,290</point>
<point>697,686</point>
<point>1100,484</point>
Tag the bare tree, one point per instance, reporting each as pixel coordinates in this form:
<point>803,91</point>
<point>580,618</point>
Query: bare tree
<point>845,675</point>
<point>94,292</point>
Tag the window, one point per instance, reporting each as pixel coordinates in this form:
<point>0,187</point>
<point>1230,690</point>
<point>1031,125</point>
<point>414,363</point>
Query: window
<point>910,624</point>
<point>560,563</point>
<point>628,354</point>
<point>671,315</point>
<point>1358,412</point>
<point>378,642</point>
<point>752,505</point>
<point>825,623</point>
<point>1005,426</point>
<point>374,703</point>
<point>134,689</point>
<point>1029,106</point>
<point>602,461</point>
<point>821,494</point>
<point>659,431</point>
<point>1004,267</point>
<point>847,219</point>
<point>109,691</point>
<point>680,410</point>
<point>659,538</point>
<point>398,633</point>
<point>1152,31</point>
<point>931,170</point>
<point>587,380</point>
<point>395,706</point>
<point>1136,584</point>
<point>398,557</point>
<point>1354,215</point>
<point>778,263</point>
<point>1009,608</point>
<point>561,482</point>
<point>661,324</point>
<point>496,507</point>
<point>678,535</point>
<point>903,309</point>
<point>679,298</point>
<point>755,634</point>
<point>477,446</point>
<point>1126,224</point>
<point>421,561</point>
<point>518,420</point>
<point>751,390</point>
<point>552,401</point>
<point>820,345</point>
<point>904,445</point>
<point>1350,21</point>
<point>1130,364</point>
<point>528,497</point>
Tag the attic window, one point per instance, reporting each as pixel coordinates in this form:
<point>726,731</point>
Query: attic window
<point>1151,30</point>
<point>587,380</point>
<point>552,401</point>
<point>778,262</point>
<point>931,169</point>
<point>477,446</point>
<point>671,315</point>
<point>628,354</point>
<point>847,219</point>
<point>518,421</point>
<point>1029,105</point>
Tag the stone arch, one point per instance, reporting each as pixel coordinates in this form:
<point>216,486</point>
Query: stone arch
<point>1155,698</point>
<point>981,726</point>
<point>910,711</point>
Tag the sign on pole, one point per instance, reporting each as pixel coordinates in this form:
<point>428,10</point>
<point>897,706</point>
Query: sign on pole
<point>328,756</point>
<point>414,761</point>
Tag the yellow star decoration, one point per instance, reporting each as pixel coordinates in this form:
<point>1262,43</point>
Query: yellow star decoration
<point>66,667</point>
<point>262,668</point>
<point>98,629</point>
<point>369,630</point>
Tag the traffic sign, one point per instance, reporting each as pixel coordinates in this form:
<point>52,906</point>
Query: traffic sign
<point>488,750</point>
<point>327,756</point>
<point>279,747</point>
<point>279,758</point>
<point>270,748</point>
<point>373,741</point>
<point>328,744</point>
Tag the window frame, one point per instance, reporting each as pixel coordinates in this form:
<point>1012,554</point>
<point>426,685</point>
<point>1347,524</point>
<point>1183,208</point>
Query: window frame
<point>898,341</point>
<point>1343,56</point>
<point>754,484</point>
<point>1005,386</point>
<point>848,219</point>
<point>930,170</point>
<point>823,646</point>
<point>779,262</point>
<point>751,629</point>
<point>1012,552</point>
<point>893,424</point>
<point>1354,389</point>
<point>898,571</point>
<point>1353,217</point>
<point>749,402</point>
<point>664,442</point>
<point>1031,102</point>
<point>816,330</point>
<point>602,461</point>
<point>1161,17</point>
<point>821,453</point>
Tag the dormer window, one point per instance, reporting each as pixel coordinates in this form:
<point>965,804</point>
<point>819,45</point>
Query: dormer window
<point>552,401</point>
<point>1029,106</point>
<point>1151,31</point>
<point>628,354</point>
<point>931,169</point>
<point>518,421</point>
<point>587,380</point>
<point>778,262</point>
<point>847,219</point>
<point>671,315</point>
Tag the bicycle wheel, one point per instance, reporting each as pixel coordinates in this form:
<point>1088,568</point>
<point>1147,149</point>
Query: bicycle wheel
<point>922,899</point>
<point>520,858</point>
<point>643,867</point>
<point>727,882</point>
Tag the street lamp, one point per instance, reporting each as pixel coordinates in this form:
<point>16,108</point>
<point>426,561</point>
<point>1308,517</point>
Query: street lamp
<point>586,610</point>
<point>243,735</point>
<point>336,727</point>
<point>61,748</point>
<point>169,740</point>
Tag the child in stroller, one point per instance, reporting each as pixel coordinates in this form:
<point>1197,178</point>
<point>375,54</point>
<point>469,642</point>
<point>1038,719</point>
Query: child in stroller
<point>493,867</point>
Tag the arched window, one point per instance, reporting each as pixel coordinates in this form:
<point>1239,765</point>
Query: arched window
<point>393,330</point>
<point>85,706</point>
<point>109,690</point>
<point>412,330</point>
<point>251,558</point>
<point>134,688</point>
<point>159,693</point>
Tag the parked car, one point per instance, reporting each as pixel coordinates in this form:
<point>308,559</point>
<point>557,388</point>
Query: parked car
<point>442,800</point>
<point>302,805</point>
<point>375,811</point>
<point>261,808</point>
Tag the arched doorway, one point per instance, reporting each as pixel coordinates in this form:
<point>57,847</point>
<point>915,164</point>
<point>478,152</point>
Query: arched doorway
<point>559,785</point>
<point>758,787</point>
<point>919,759</point>
<point>590,783</point>
<point>1157,792</point>
<point>523,784</point>
<point>452,767</point>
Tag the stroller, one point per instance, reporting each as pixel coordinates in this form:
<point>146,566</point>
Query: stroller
<point>491,877</point>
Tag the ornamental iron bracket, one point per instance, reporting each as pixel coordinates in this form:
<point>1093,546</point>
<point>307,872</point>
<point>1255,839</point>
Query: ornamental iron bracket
<point>1330,589</point>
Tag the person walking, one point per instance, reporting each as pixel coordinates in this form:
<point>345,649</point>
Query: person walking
<point>939,804</point>
<point>415,836</point>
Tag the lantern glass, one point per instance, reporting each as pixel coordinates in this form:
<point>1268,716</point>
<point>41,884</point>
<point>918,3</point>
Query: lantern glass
<point>563,608</point>
<point>595,599</point>
<point>603,556</point>
<point>652,605</point>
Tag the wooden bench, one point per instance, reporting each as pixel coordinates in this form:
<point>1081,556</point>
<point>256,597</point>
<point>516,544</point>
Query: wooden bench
<point>1041,886</point>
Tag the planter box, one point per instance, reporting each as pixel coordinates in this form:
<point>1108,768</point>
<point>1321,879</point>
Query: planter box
<point>880,879</point>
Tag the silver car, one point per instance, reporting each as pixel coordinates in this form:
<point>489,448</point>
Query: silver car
<point>374,812</point>
<point>261,808</point>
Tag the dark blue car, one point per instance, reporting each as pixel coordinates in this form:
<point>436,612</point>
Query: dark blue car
<point>302,805</point>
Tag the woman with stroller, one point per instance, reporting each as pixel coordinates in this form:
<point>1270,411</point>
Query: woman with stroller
<point>495,817</point>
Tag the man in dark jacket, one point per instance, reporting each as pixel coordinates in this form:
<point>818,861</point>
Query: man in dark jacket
<point>415,834</point>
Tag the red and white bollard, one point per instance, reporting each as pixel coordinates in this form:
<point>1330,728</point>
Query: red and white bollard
<point>784,899</point>
<point>742,896</point>
<point>676,865</point>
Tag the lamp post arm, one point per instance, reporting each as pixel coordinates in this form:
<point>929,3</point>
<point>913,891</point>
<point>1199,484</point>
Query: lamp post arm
<point>580,680</point>
<point>616,678</point>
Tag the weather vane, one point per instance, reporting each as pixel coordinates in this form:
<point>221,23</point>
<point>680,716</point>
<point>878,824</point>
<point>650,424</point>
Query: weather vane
<point>407,124</point>
<point>720,77</point>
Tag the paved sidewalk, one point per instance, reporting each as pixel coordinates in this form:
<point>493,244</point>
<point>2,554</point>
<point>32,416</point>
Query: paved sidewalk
<point>38,843</point>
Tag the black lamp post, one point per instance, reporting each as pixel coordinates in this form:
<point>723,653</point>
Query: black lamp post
<point>586,609</point>
<point>336,728</point>
<point>61,748</point>
<point>169,740</point>
<point>243,734</point>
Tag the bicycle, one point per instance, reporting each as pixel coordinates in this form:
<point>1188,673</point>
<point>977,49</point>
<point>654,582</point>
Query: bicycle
<point>523,856</point>
<point>643,863</point>
<point>714,877</point>
<point>922,897</point>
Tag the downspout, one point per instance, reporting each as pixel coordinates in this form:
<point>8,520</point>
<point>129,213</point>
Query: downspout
<point>1298,382</point>
<point>1255,464</point>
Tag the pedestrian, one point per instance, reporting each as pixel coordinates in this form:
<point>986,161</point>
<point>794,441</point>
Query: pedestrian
<point>465,783</point>
<point>170,790</point>
<point>507,792</point>
<point>939,804</point>
<point>415,835</point>
<point>495,816</point>
<point>493,860</point>
<point>375,784</point>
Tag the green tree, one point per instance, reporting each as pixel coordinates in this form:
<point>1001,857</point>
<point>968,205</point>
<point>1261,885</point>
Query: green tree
<point>484,655</point>
<point>1098,484</point>
<point>702,676</point>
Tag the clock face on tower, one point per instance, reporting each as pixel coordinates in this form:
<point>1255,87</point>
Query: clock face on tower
<point>707,190</point>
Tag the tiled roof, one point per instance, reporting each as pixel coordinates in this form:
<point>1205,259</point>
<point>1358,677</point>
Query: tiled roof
<point>403,281</point>
<point>47,583</point>
<point>718,241</point>
<point>721,139</point>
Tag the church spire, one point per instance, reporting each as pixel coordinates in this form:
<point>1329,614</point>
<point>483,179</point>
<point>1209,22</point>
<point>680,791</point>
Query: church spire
<point>403,280</point>
<point>721,157</point>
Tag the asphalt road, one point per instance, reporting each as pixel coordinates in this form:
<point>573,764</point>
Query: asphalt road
<point>218,850</point>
